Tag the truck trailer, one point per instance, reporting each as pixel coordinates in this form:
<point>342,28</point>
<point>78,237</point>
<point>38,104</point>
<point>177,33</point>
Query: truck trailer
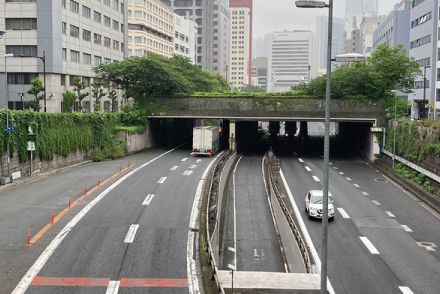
<point>205,141</point>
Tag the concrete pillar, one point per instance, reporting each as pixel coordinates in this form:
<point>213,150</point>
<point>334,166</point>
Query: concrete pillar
<point>303,130</point>
<point>232,136</point>
<point>290,128</point>
<point>375,134</point>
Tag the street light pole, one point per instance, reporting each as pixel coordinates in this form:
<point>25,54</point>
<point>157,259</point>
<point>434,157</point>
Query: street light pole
<point>44,77</point>
<point>423,114</point>
<point>394,127</point>
<point>322,4</point>
<point>309,67</point>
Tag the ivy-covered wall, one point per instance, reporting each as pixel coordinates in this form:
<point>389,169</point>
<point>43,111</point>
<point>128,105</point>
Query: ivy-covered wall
<point>416,141</point>
<point>56,133</point>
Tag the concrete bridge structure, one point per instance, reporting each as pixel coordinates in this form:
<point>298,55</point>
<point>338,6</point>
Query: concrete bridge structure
<point>347,113</point>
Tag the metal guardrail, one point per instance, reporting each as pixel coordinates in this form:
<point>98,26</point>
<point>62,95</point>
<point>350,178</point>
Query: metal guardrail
<point>215,177</point>
<point>273,166</point>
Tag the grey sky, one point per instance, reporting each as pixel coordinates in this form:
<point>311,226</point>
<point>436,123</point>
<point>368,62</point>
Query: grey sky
<point>278,15</point>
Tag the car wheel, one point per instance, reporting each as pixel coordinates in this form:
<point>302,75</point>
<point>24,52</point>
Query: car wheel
<point>305,208</point>
<point>331,218</point>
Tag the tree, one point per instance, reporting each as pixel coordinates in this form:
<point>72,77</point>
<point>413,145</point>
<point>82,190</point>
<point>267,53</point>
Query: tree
<point>79,86</point>
<point>387,69</point>
<point>98,92</point>
<point>69,98</point>
<point>154,76</point>
<point>36,89</point>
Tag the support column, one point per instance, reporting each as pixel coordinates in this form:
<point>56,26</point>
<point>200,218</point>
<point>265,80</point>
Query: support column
<point>303,130</point>
<point>232,136</point>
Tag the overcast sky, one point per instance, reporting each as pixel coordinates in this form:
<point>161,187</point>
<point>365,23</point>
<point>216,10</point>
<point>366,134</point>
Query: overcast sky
<point>278,15</point>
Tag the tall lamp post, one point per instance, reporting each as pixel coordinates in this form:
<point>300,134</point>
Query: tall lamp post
<point>226,73</point>
<point>394,126</point>
<point>423,114</point>
<point>43,59</point>
<point>322,4</point>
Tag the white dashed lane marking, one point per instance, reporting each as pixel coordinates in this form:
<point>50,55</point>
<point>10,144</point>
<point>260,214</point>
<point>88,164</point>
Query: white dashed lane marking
<point>343,212</point>
<point>187,173</point>
<point>148,200</point>
<point>198,160</point>
<point>348,179</point>
<point>308,169</point>
<point>161,180</point>
<point>390,214</point>
<point>131,233</point>
<point>174,167</point>
<point>405,290</point>
<point>365,193</point>
<point>341,173</point>
<point>185,159</point>
<point>356,185</point>
<point>369,245</point>
<point>300,160</point>
<point>375,202</point>
<point>406,228</point>
<point>315,178</point>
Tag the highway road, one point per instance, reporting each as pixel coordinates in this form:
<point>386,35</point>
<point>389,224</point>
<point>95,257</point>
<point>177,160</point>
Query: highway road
<point>251,241</point>
<point>382,239</point>
<point>133,240</point>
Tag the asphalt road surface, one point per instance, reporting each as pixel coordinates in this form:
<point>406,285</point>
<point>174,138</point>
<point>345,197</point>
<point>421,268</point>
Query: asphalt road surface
<point>375,241</point>
<point>251,241</point>
<point>134,239</point>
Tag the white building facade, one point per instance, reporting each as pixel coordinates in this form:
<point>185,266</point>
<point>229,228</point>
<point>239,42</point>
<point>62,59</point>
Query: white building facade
<point>241,44</point>
<point>424,47</point>
<point>150,28</point>
<point>185,37</point>
<point>292,59</point>
<point>75,36</point>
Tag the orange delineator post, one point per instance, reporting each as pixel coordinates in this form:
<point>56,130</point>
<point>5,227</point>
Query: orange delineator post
<point>85,190</point>
<point>52,216</point>
<point>28,236</point>
<point>99,181</point>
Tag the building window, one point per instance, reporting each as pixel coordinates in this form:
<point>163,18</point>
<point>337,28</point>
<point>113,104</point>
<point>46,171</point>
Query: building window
<point>74,6</point>
<point>97,38</point>
<point>116,25</point>
<point>421,20</point>
<point>115,45</point>
<point>64,28</point>
<point>25,50</point>
<point>64,54</point>
<point>420,84</point>
<point>86,12</point>
<point>107,21</point>
<point>74,31</point>
<point>424,62</point>
<point>63,80</point>
<point>87,58</point>
<point>21,78</point>
<point>87,35</point>
<point>21,24</point>
<point>107,42</point>
<point>416,2</point>
<point>97,16</point>
<point>420,42</point>
<point>74,56</point>
<point>98,60</point>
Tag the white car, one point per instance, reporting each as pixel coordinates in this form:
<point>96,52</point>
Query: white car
<point>314,202</point>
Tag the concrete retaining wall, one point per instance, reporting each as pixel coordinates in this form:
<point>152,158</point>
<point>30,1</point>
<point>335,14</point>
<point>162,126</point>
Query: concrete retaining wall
<point>138,142</point>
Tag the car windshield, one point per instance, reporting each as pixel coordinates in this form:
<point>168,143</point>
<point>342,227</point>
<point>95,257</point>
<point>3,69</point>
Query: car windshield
<point>316,199</point>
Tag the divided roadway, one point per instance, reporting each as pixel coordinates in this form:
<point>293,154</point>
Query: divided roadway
<point>373,242</point>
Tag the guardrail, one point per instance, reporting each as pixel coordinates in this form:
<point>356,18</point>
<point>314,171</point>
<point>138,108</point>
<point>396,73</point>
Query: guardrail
<point>272,168</point>
<point>215,189</point>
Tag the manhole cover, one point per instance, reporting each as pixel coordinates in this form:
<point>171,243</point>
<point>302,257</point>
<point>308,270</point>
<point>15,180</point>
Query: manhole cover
<point>380,180</point>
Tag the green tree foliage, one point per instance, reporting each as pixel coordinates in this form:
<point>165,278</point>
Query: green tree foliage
<point>79,86</point>
<point>156,76</point>
<point>69,98</point>
<point>36,89</point>
<point>98,92</point>
<point>387,69</point>
<point>251,89</point>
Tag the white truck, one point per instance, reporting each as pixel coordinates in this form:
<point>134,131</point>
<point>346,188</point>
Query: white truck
<point>205,141</point>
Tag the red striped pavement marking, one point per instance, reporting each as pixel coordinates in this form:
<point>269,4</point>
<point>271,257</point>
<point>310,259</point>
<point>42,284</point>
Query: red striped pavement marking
<point>154,282</point>
<point>70,282</point>
<point>103,282</point>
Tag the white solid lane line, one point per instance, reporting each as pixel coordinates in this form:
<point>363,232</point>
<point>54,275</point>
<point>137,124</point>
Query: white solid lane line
<point>185,159</point>
<point>375,202</point>
<point>365,193</point>
<point>356,185</point>
<point>235,213</point>
<point>369,245</point>
<point>148,199</point>
<point>343,212</point>
<point>308,169</point>
<point>113,287</point>
<point>405,290</point>
<point>161,180</point>
<point>348,179</point>
<point>26,280</point>
<point>406,228</point>
<point>390,214</point>
<point>131,233</point>
<point>300,160</point>
<point>174,167</point>
<point>315,178</point>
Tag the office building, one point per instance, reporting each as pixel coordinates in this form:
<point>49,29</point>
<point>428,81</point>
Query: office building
<point>241,43</point>
<point>185,37</point>
<point>338,40</point>
<point>212,18</point>
<point>394,30</point>
<point>259,72</point>
<point>424,48</point>
<point>150,28</point>
<point>367,28</point>
<point>355,11</point>
<point>292,59</point>
<point>75,36</point>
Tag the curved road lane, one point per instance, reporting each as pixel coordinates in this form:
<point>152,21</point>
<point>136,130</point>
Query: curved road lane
<point>135,239</point>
